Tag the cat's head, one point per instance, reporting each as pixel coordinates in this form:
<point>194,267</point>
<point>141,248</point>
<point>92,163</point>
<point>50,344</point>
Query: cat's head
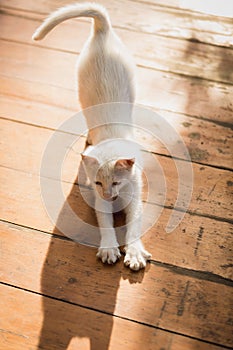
<point>108,178</point>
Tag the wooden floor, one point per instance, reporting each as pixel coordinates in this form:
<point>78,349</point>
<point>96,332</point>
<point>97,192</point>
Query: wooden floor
<point>55,295</point>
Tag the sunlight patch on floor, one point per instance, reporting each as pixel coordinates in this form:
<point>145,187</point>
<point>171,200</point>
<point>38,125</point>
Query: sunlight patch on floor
<point>211,7</point>
<point>79,343</point>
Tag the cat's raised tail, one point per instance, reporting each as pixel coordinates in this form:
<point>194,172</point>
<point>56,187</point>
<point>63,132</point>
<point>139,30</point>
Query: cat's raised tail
<point>96,11</point>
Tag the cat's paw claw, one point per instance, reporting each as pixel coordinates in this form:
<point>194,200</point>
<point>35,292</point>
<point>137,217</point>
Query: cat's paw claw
<point>136,259</point>
<point>109,255</point>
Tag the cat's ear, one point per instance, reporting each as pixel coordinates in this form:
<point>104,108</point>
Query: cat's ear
<point>126,164</point>
<point>89,161</point>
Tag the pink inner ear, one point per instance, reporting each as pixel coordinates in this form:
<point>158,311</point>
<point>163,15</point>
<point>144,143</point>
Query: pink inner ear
<point>125,163</point>
<point>89,160</point>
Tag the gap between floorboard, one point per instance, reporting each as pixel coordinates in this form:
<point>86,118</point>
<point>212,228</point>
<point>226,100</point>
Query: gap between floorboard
<point>196,274</point>
<point>113,315</point>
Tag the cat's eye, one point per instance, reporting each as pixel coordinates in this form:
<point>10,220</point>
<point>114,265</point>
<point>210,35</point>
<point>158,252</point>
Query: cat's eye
<point>115,183</point>
<point>98,183</point>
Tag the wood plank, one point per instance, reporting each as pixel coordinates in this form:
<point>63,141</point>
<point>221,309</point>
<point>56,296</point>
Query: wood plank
<point>211,8</point>
<point>31,142</point>
<point>198,243</point>
<point>29,71</point>
<point>205,141</point>
<point>212,187</point>
<point>30,159</point>
<point>33,112</point>
<point>186,288</point>
<point>165,3</point>
<point>164,21</point>
<point>38,64</point>
<point>85,327</point>
<point>169,300</point>
<point>32,92</point>
<point>151,51</point>
<point>207,136</point>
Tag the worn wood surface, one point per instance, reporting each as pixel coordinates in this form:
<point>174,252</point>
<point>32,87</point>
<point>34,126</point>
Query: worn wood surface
<point>164,21</point>
<point>55,71</point>
<point>54,293</point>
<point>77,282</point>
<point>95,324</point>
<point>198,243</point>
<point>202,139</point>
<point>149,50</point>
<point>210,197</point>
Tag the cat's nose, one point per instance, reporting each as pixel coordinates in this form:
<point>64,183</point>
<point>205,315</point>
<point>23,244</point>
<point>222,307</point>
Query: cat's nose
<point>107,195</point>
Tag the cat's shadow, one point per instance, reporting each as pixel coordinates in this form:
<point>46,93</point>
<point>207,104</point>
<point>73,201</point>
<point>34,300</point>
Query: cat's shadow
<point>72,273</point>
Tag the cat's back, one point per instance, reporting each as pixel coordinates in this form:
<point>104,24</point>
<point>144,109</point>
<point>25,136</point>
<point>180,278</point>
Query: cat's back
<point>105,71</point>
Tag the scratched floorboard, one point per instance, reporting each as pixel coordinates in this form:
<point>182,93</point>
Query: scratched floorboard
<point>55,295</point>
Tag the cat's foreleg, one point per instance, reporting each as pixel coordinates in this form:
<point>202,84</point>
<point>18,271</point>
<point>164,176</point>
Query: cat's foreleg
<point>108,250</point>
<point>136,256</point>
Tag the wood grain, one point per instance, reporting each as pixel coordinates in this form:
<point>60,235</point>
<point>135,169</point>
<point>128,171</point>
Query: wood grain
<point>79,327</point>
<point>152,51</point>
<point>55,294</point>
<point>164,21</point>
<point>211,193</point>
<point>44,74</point>
<point>26,157</point>
<point>204,140</point>
<point>198,243</point>
<point>33,113</point>
<point>177,303</point>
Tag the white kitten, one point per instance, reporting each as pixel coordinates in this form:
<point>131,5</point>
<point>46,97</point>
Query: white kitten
<point>106,81</point>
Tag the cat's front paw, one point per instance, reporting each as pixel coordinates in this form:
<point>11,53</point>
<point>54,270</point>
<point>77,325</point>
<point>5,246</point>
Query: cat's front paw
<point>109,255</point>
<point>136,257</point>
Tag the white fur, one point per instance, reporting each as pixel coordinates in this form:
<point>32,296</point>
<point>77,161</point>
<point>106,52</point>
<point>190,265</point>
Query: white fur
<point>106,93</point>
